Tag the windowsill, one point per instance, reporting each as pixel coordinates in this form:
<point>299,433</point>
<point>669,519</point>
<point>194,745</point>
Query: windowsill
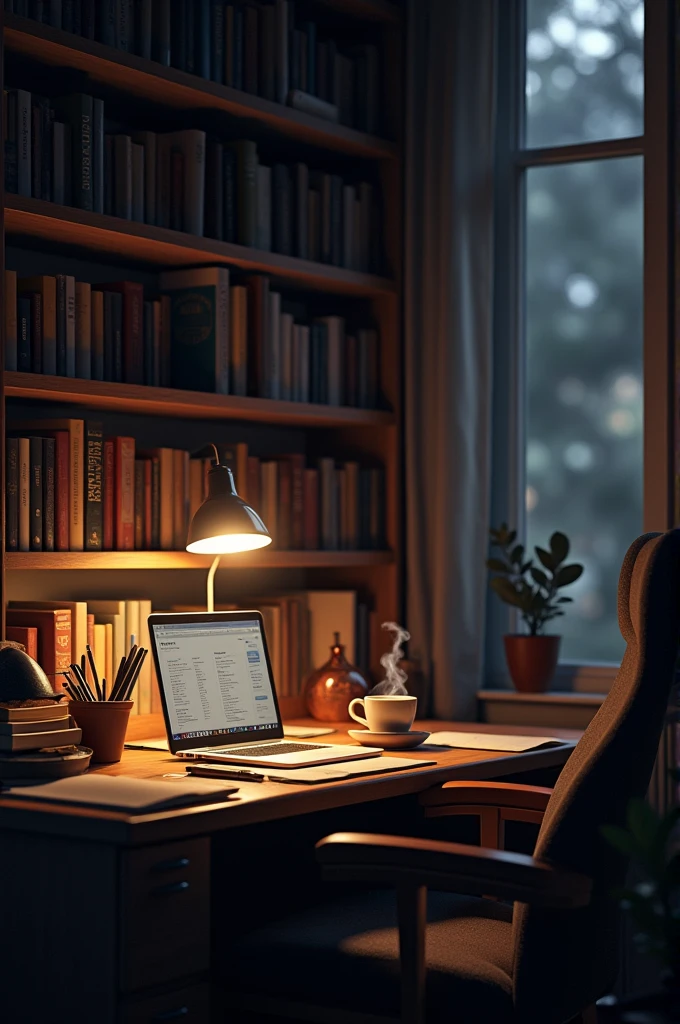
<point>570,679</point>
<point>552,697</point>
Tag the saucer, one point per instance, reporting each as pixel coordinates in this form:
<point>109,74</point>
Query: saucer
<point>389,740</point>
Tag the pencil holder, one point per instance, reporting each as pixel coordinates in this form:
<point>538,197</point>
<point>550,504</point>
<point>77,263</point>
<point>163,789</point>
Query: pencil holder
<point>104,724</point>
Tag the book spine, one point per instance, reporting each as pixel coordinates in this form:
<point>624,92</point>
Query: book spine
<point>81,129</point>
<point>238,48</point>
<point>36,332</point>
<point>301,211</point>
<point>238,337</point>
<point>76,484</point>
<point>49,477</point>
<point>297,527</point>
<point>253,27</point>
<point>61,324</point>
<point>125,493</point>
<point>133,336</point>
<point>23,334</point>
<point>58,163</point>
<point>109,480</point>
<point>24,175</point>
<point>177,190</point>
<point>139,504</point>
<point>148,343</point>
<point>281,36</point>
<point>285,499</point>
<point>9,110</point>
<point>229,203</point>
<point>138,181</point>
<point>148,505</point>
<point>194,180</point>
<point>246,192</point>
<point>61,496</point>
<point>12,495</point>
<point>83,330</point>
<point>311,506</point>
<point>88,23</point>
<point>282,210</point>
<point>61,658</point>
<point>122,150</point>
<point>36,150</point>
<point>155,504</point>
<point>110,176</point>
<point>117,335</point>
<point>94,470</point>
<point>24,494</point>
<point>203,46</point>
<point>214,199</point>
<point>190,33</point>
<point>98,155</point>
<point>217,41</point>
<point>162,33</point>
<point>11,344</point>
<point>27,636</point>
<point>254,489</point>
<point>70,326</point>
<point>98,335</point>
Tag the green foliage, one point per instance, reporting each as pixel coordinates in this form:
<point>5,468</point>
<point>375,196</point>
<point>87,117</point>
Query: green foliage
<point>523,585</point>
<point>651,843</point>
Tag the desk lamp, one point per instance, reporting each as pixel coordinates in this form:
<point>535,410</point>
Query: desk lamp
<point>224,524</point>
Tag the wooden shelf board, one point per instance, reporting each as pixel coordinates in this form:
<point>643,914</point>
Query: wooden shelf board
<point>162,247</point>
<point>100,560</point>
<point>142,400</point>
<point>152,81</point>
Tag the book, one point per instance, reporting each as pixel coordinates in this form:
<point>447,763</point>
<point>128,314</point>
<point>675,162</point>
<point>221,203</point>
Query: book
<point>258,322</point>
<point>54,638</point>
<point>23,334</point>
<point>83,330</point>
<point>12,494</point>
<point>124,470</point>
<point>77,111</point>
<point>46,342</point>
<point>128,356</point>
<point>23,135</point>
<point>24,494</point>
<point>108,508</point>
<point>246,190</point>
<point>190,143</point>
<point>199,328</point>
<point>36,493</point>
<point>49,493</point>
<point>97,298</point>
<point>94,486</point>
<point>47,712</point>
<point>122,176</point>
<point>238,340</point>
<point>11,349</point>
<point>18,728</point>
<point>52,737</point>
<point>78,613</point>
<point>75,431</point>
<point>27,636</point>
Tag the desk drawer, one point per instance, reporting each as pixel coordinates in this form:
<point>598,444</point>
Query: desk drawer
<point>189,1005</point>
<point>165,913</point>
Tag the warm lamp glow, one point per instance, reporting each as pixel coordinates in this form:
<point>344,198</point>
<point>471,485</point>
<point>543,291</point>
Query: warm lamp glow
<point>226,544</point>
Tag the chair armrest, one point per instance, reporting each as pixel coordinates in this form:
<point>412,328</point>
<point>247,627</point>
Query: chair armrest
<point>493,803</point>
<point>450,867</point>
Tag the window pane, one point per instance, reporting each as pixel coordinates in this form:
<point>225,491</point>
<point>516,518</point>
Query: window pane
<point>584,79</point>
<point>584,382</point>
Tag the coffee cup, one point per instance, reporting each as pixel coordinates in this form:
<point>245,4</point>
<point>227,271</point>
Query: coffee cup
<point>385,713</point>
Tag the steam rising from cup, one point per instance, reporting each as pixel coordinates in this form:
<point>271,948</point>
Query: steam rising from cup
<point>393,683</point>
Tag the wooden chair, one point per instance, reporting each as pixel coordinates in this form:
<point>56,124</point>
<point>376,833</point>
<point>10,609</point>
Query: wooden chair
<point>431,955</point>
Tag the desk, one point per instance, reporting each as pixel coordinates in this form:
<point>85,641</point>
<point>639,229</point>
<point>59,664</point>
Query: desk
<point>106,917</point>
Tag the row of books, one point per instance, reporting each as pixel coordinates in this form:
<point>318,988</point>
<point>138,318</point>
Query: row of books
<point>55,634</point>
<point>24,729</point>
<point>201,334</point>
<point>58,150</point>
<point>69,488</point>
<point>299,627</point>
<point>261,48</point>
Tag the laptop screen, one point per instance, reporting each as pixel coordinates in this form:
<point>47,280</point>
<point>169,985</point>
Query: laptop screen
<point>216,680</point>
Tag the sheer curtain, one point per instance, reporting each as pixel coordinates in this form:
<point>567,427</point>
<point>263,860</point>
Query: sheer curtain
<point>448,323</point>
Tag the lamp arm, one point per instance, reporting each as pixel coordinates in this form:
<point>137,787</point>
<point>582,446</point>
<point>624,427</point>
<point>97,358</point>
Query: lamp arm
<point>210,598</point>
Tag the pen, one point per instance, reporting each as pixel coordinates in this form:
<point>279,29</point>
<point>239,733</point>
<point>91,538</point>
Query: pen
<point>235,773</point>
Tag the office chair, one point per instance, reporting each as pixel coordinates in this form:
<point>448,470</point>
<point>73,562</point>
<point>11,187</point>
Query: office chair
<point>544,958</point>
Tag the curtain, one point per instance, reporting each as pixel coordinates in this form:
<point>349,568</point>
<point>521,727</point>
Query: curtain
<point>448,326</point>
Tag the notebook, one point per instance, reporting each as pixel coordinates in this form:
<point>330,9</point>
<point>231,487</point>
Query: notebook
<point>117,793</point>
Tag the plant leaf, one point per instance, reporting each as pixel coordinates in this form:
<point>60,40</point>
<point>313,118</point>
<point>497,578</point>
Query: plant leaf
<point>510,537</point>
<point>568,574</point>
<point>546,559</point>
<point>565,600</point>
<point>497,565</point>
<point>538,576</point>
<point>517,554</point>
<point>559,546</point>
<point>506,591</point>
<point>526,565</point>
<point>621,840</point>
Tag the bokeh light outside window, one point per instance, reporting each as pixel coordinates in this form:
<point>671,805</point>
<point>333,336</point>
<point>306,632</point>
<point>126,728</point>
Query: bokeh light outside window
<point>583,313</point>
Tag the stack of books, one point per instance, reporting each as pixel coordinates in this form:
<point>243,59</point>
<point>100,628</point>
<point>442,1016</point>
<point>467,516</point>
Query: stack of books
<point>23,729</point>
<point>59,151</point>
<point>70,488</point>
<point>56,633</point>
<point>259,47</point>
<point>201,332</point>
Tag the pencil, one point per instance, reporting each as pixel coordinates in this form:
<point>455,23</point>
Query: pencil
<point>93,669</point>
<point>135,674</point>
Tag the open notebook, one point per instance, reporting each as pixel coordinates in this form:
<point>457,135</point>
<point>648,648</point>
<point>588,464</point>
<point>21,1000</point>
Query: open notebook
<point>494,741</point>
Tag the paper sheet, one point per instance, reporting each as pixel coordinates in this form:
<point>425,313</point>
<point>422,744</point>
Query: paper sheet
<point>492,741</point>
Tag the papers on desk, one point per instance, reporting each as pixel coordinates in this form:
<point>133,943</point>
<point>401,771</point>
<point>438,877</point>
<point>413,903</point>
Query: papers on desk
<point>118,793</point>
<point>317,773</point>
<point>494,741</point>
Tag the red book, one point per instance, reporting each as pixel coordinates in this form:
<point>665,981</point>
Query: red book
<point>54,638</point>
<point>139,504</point>
<point>109,488</point>
<point>124,470</point>
<point>148,504</point>
<point>297,504</point>
<point>254,486</point>
<point>61,491</point>
<point>133,329</point>
<point>26,635</point>
<point>283,537</point>
<point>311,509</point>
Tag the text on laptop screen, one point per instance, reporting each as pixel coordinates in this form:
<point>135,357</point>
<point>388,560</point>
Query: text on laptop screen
<point>215,678</point>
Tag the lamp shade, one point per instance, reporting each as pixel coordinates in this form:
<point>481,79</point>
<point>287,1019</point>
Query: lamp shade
<point>224,523</point>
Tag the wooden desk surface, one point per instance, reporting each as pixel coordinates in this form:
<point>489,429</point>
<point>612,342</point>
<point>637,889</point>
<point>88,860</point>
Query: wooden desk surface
<point>269,801</point>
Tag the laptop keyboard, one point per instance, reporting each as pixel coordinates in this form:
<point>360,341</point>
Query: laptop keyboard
<point>276,748</point>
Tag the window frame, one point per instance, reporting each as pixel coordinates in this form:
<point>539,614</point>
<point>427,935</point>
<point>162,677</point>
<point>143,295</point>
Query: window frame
<point>655,146</point>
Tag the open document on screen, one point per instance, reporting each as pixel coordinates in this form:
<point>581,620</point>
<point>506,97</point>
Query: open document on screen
<point>215,678</point>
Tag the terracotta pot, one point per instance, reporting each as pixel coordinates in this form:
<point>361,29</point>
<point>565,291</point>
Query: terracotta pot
<point>329,690</point>
<point>532,660</point>
<point>104,724</point>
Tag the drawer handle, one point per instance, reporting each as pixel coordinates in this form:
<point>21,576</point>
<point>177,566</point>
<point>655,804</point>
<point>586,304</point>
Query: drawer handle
<point>181,1011</point>
<point>172,865</point>
<point>171,887</point>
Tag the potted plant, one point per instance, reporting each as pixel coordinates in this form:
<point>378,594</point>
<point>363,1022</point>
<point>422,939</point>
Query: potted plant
<point>531,657</point>
<point>653,902</point>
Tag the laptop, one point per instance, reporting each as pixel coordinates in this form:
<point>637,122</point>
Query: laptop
<point>218,693</point>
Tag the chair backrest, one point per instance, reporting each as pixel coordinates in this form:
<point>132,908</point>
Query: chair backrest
<point>565,960</point>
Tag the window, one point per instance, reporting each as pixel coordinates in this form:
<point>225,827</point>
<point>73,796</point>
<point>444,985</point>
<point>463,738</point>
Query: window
<point>582,325</point>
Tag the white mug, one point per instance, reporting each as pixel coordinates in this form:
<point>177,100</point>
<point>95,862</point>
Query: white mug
<point>385,713</point>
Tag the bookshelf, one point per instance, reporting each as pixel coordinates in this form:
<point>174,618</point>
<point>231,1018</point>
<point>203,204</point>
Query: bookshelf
<point>41,230</point>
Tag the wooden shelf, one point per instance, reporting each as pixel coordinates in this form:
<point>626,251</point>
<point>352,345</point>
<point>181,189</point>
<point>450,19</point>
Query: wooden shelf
<point>162,247</point>
<point>51,560</point>
<point>149,80</point>
<point>148,401</point>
